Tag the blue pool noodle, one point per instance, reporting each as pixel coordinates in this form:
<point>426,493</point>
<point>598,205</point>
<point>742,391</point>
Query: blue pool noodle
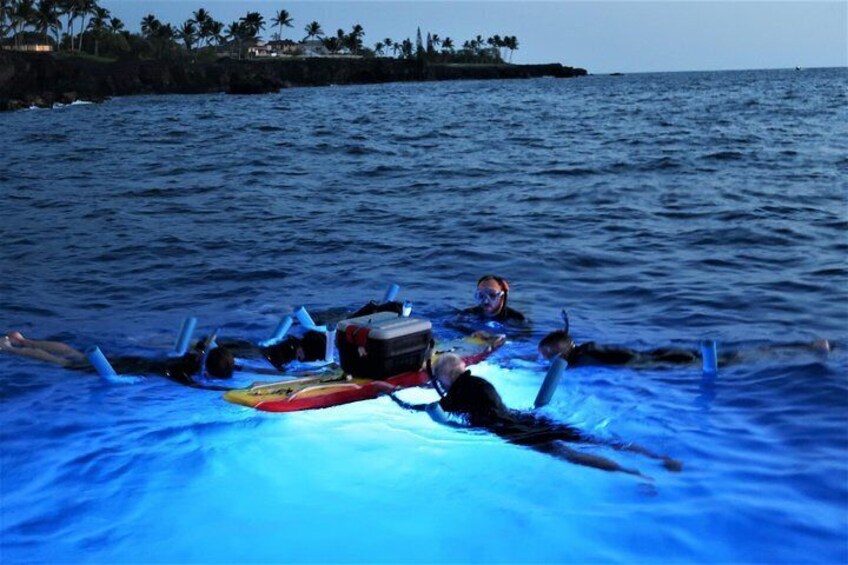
<point>551,381</point>
<point>391,293</point>
<point>100,363</point>
<point>407,309</point>
<point>330,346</point>
<point>709,353</point>
<point>282,328</point>
<point>306,320</point>
<point>184,338</point>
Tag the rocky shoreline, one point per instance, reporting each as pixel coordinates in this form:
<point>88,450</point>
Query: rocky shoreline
<point>31,79</point>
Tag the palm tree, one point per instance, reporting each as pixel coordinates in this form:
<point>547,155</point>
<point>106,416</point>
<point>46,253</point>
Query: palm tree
<point>447,45</point>
<point>281,20</point>
<point>188,33</point>
<point>378,48</point>
<point>82,9</point>
<point>97,26</point>
<point>406,48</point>
<point>150,26</point>
<point>116,25</point>
<point>252,23</point>
<point>313,29</point>
<point>201,18</point>
<point>235,33</point>
<point>332,44</point>
<point>22,15</point>
<point>5,8</point>
<point>355,38</point>
<point>46,18</point>
<point>216,31</point>
<point>66,7</point>
<point>511,43</point>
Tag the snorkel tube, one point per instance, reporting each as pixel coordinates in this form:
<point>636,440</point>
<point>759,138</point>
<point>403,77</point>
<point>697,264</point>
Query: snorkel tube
<point>183,339</point>
<point>282,329</point>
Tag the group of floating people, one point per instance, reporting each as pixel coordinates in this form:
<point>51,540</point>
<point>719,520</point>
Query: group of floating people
<point>465,399</point>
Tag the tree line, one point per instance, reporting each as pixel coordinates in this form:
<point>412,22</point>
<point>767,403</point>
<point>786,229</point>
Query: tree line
<point>83,26</point>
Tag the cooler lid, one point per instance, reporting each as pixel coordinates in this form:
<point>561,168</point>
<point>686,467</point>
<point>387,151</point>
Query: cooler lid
<point>366,321</point>
<point>399,327</point>
<point>386,325</point>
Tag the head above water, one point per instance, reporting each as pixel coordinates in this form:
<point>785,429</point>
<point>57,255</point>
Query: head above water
<point>313,346</point>
<point>220,363</point>
<point>556,343</point>
<point>492,294</point>
<point>447,368</point>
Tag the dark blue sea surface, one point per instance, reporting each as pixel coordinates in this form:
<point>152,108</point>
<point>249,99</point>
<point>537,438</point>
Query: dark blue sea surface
<point>659,209</point>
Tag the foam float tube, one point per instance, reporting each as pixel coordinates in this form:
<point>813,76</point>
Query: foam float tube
<point>184,337</point>
<point>391,293</point>
<point>279,333</point>
<point>549,385</point>
<point>709,353</point>
<point>331,343</point>
<point>100,363</point>
<point>306,320</point>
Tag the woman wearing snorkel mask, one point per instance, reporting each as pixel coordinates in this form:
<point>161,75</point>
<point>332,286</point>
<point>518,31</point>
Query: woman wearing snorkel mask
<point>492,295</point>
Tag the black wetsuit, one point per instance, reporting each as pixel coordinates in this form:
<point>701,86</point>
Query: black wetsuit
<point>591,353</point>
<point>506,314</point>
<point>180,370</point>
<point>477,401</point>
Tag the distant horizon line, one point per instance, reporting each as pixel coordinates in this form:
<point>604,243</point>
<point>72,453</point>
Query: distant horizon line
<point>795,68</point>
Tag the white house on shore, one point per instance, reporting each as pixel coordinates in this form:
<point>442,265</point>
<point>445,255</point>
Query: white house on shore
<point>31,48</point>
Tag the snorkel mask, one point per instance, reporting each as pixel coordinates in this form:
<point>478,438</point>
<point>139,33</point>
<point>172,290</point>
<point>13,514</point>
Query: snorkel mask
<point>490,296</point>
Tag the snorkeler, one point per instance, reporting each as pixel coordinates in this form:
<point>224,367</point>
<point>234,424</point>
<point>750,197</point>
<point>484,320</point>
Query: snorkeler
<point>476,402</point>
<point>311,347</point>
<point>492,297</point>
<point>204,361</point>
<point>560,343</point>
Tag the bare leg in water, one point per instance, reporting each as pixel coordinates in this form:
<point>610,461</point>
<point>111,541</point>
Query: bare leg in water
<point>559,450</point>
<point>670,464</point>
<point>54,352</point>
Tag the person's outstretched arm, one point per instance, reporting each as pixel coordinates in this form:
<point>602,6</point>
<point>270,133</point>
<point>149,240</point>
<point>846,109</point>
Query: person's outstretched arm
<point>409,406</point>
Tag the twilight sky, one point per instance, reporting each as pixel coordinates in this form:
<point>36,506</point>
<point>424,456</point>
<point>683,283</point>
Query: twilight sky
<point>601,36</point>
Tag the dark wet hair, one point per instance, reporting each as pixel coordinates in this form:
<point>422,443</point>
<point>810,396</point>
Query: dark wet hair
<point>557,342</point>
<point>283,353</point>
<point>314,345</point>
<point>504,284</point>
<point>220,363</point>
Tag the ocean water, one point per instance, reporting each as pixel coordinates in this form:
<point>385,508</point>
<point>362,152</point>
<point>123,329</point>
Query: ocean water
<point>659,209</point>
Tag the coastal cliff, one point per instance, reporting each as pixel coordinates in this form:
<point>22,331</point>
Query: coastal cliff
<point>31,79</point>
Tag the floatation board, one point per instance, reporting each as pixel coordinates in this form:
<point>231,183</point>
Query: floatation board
<point>324,390</point>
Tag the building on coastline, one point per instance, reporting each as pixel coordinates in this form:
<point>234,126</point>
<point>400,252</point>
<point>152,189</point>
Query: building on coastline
<point>30,47</point>
<point>257,49</point>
